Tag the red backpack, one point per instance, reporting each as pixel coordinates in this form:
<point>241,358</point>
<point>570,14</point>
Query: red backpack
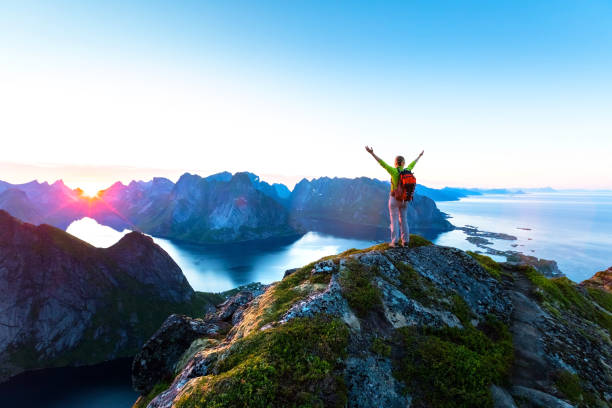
<point>406,184</point>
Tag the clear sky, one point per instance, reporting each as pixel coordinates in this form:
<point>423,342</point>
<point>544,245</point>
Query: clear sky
<point>498,94</point>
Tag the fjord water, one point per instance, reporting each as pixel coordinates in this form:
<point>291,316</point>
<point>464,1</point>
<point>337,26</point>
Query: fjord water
<point>220,267</point>
<point>105,385</point>
<point>574,229</point>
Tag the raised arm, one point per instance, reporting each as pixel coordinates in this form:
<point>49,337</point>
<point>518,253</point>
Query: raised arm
<point>371,151</point>
<point>411,165</point>
<point>379,160</point>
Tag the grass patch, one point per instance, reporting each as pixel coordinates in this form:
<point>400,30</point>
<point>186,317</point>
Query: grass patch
<point>488,264</point>
<point>361,295</point>
<point>563,294</point>
<point>603,298</point>
<point>144,400</point>
<point>296,364</point>
<point>418,241</point>
<point>414,242</point>
<point>451,367</point>
<point>462,310</point>
<point>320,278</point>
<point>378,247</point>
<point>285,295</point>
<point>569,385</point>
<point>416,286</point>
<point>380,347</point>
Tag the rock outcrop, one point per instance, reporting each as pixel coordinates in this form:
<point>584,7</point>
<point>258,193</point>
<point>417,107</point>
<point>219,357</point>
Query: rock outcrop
<point>65,302</point>
<point>424,326</point>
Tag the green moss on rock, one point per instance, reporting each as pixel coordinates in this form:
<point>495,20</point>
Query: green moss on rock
<point>418,241</point>
<point>569,385</point>
<point>453,367</point>
<point>461,309</point>
<point>416,286</point>
<point>415,242</point>
<point>488,264</point>
<point>563,294</point>
<point>144,400</point>
<point>603,298</point>
<point>285,294</point>
<point>358,289</point>
<point>380,347</point>
<point>295,364</point>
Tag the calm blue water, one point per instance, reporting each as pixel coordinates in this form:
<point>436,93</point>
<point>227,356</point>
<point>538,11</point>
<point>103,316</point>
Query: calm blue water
<point>216,268</point>
<point>104,385</point>
<point>574,229</point>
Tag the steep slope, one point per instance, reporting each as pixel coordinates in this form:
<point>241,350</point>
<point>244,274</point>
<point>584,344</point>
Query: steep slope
<point>19,205</point>
<point>357,206</point>
<point>65,302</point>
<point>425,326</point>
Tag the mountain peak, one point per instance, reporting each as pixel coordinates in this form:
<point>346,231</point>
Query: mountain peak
<point>133,238</point>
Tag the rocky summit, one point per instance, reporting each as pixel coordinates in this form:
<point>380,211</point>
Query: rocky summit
<point>417,326</point>
<point>65,302</point>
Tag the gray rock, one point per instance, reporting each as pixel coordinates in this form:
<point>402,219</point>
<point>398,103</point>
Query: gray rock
<point>501,397</point>
<point>158,357</point>
<point>327,266</point>
<point>371,384</point>
<point>539,398</point>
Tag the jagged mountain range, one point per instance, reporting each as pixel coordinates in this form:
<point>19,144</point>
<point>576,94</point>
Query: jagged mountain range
<point>223,207</point>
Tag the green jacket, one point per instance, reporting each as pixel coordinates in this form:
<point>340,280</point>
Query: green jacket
<point>394,171</point>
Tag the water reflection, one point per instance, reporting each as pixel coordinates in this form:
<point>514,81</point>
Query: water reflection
<point>215,268</point>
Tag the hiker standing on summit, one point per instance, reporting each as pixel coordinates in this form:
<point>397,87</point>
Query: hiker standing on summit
<point>403,185</point>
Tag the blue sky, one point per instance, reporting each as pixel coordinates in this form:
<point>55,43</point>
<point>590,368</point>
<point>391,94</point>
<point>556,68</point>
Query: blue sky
<point>497,93</point>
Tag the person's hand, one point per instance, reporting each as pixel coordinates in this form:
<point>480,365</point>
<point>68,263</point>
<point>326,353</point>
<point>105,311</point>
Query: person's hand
<point>369,150</point>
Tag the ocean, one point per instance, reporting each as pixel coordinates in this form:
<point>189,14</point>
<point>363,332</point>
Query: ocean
<point>574,229</point>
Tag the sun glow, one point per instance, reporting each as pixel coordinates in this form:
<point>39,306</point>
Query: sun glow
<point>90,190</point>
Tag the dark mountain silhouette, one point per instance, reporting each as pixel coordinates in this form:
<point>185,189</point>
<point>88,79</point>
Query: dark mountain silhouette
<point>65,302</point>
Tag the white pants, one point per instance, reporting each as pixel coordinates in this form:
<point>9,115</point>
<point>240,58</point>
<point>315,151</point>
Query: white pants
<point>398,213</point>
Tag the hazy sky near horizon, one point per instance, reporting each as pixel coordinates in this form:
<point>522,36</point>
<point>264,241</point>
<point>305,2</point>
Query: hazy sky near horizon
<point>498,94</point>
